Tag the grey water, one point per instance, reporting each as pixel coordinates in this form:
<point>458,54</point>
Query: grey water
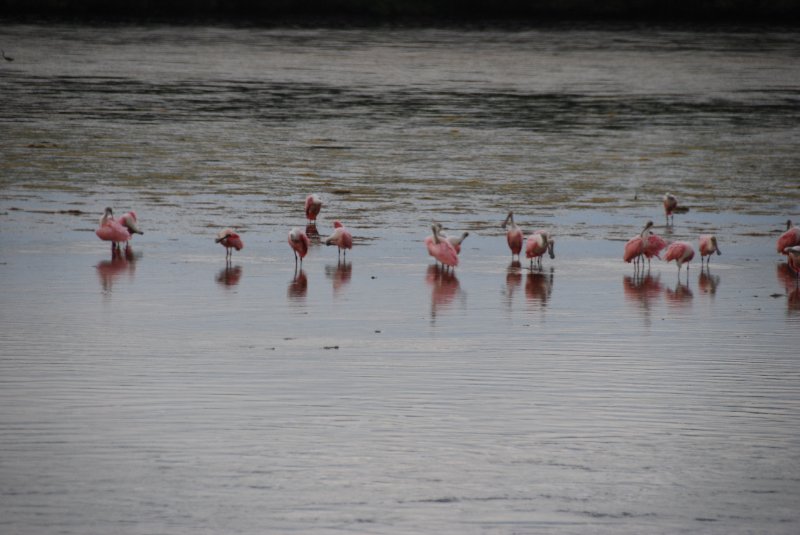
<point>167,392</point>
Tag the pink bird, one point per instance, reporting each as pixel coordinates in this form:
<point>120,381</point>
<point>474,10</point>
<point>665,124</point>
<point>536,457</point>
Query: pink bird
<point>299,242</point>
<point>230,240</point>
<point>708,246</point>
<point>341,238</point>
<point>793,257</point>
<point>790,238</point>
<point>635,247</point>
<point>653,246</point>
<point>129,221</point>
<point>671,207</point>
<point>313,206</point>
<point>111,230</point>
<point>681,252</point>
<point>455,241</point>
<point>513,236</point>
<point>537,244</point>
<point>441,249</point>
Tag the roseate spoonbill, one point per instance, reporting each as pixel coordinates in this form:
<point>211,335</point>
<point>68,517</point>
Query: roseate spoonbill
<point>299,243</point>
<point>708,246</point>
<point>313,206</point>
<point>793,257</point>
<point>111,230</point>
<point>455,241</point>
<point>653,246</point>
<point>537,244</point>
<point>790,238</point>
<point>513,235</point>
<point>129,221</point>
<point>341,238</point>
<point>681,252</point>
<point>230,240</point>
<point>635,247</point>
<point>672,207</point>
<point>441,249</point>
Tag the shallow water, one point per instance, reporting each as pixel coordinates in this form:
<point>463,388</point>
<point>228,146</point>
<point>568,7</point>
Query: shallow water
<point>166,393</point>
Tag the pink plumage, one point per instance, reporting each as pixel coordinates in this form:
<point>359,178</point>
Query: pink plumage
<point>708,246</point>
<point>633,249</point>
<point>441,249</point>
<point>341,237</point>
<point>681,252</point>
<point>111,230</point>
<point>653,245</point>
<point>313,207</point>
<point>790,238</point>
<point>513,235</point>
<point>299,242</point>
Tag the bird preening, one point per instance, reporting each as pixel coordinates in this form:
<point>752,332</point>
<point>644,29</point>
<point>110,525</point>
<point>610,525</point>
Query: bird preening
<point>230,240</point>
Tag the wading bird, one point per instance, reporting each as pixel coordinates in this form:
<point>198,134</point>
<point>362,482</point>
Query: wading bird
<point>455,241</point>
<point>635,247</point>
<point>129,221</point>
<point>299,243</point>
<point>672,207</point>
<point>537,244</point>
<point>111,230</point>
<point>230,240</point>
<point>313,206</point>
<point>793,256</point>
<point>708,246</point>
<point>790,238</point>
<point>513,236</point>
<point>441,249</point>
<point>681,252</point>
<point>341,238</point>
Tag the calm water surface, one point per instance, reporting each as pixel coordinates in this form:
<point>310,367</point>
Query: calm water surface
<point>168,393</point>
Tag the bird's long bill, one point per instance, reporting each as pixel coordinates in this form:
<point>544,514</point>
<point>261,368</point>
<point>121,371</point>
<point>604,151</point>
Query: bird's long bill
<point>509,218</point>
<point>716,247</point>
<point>550,246</point>
<point>134,228</point>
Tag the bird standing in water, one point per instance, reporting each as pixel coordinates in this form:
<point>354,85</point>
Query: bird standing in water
<point>513,236</point>
<point>537,244</point>
<point>230,240</point>
<point>681,252</point>
<point>635,247</point>
<point>313,206</point>
<point>299,242</point>
<point>790,238</point>
<point>112,230</point>
<point>708,246</point>
<point>441,249</point>
<point>672,207</point>
<point>341,238</point>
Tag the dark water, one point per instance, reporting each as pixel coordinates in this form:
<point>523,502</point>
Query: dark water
<point>166,393</point>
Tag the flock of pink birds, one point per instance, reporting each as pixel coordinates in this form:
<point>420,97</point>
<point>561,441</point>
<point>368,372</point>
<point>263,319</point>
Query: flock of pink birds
<point>445,249</point>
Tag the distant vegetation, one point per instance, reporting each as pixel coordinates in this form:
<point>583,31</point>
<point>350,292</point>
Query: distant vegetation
<point>390,10</point>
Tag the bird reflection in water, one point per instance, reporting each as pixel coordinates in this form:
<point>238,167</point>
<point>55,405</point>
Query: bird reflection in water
<point>513,279</point>
<point>312,233</point>
<point>707,282</point>
<point>680,296</point>
<point>539,286</point>
<point>445,287</point>
<point>122,261</point>
<point>788,278</point>
<point>229,276</point>
<point>340,274</point>
<point>642,289</point>
<point>298,288</point>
